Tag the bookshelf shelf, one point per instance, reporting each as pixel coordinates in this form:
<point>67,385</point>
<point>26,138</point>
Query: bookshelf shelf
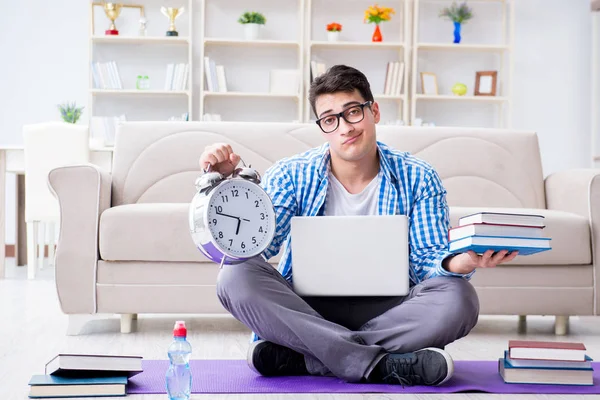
<point>251,94</point>
<point>443,97</point>
<point>235,42</point>
<point>137,92</point>
<point>358,45</point>
<point>461,47</point>
<point>141,40</point>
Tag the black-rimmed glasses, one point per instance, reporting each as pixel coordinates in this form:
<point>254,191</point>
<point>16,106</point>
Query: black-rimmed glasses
<point>351,115</point>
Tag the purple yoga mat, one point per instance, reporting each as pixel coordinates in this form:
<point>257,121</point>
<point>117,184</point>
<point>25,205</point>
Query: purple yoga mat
<point>234,376</point>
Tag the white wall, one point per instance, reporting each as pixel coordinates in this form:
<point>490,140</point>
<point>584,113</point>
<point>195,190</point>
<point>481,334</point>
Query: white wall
<point>45,53</point>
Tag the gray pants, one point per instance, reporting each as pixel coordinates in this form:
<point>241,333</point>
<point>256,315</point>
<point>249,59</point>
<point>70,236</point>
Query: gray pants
<point>344,336</point>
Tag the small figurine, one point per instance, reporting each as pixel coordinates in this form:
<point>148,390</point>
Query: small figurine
<point>142,31</point>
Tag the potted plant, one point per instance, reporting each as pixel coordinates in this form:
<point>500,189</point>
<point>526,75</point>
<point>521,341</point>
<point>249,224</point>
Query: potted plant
<point>333,31</point>
<point>376,15</point>
<point>70,112</point>
<point>252,22</point>
<point>458,14</point>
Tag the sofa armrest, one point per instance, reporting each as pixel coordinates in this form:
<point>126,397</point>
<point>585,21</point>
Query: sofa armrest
<point>83,193</point>
<point>578,191</point>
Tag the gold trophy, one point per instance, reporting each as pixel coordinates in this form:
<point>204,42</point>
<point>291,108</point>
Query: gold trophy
<point>172,14</point>
<point>112,11</point>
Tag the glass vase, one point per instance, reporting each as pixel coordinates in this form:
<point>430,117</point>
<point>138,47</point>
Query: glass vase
<point>377,34</point>
<point>457,26</point>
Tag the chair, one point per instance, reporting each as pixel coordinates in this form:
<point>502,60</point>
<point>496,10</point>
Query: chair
<point>47,146</point>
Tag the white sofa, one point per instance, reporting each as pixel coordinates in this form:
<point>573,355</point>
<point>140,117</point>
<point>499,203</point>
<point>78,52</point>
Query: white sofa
<point>125,248</point>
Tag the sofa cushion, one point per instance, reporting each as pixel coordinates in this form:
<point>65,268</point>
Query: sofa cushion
<point>149,232</point>
<point>159,232</point>
<point>570,234</point>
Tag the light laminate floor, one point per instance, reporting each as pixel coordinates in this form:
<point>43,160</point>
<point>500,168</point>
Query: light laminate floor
<point>33,331</point>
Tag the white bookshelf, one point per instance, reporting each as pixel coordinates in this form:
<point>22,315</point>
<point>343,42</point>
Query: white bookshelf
<point>294,36</point>
<point>486,45</point>
<point>356,37</point>
<point>133,55</point>
<point>247,64</point>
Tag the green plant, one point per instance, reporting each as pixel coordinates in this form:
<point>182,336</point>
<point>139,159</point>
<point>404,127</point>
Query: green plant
<point>252,18</point>
<point>457,13</point>
<point>70,112</point>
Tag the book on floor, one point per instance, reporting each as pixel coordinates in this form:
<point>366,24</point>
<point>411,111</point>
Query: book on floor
<point>540,350</point>
<point>47,386</point>
<point>532,363</point>
<point>480,244</point>
<point>460,232</point>
<point>94,365</point>
<point>486,217</point>
<point>553,376</point>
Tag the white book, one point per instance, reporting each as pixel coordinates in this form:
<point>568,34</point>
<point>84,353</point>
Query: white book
<point>169,76</point>
<point>179,76</point>
<point>388,79</point>
<point>207,75</point>
<point>322,68</point>
<point>213,75</point>
<point>313,70</point>
<point>395,66</point>
<point>112,75</point>
<point>186,76</point>
<point>221,78</point>
<point>106,81</point>
<point>118,76</point>
<point>399,80</point>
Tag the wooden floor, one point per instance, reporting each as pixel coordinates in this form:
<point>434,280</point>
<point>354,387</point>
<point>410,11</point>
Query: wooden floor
<point>33,331</point>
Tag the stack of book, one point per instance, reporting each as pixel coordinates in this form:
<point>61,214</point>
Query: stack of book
<point>499,231</point>
<point>85,375</point>
<point>555,363</point>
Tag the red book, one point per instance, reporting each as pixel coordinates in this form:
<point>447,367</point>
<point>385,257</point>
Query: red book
<point>538,350</point>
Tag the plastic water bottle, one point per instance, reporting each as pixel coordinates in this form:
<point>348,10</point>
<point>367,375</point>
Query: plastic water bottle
<point>179,376</point>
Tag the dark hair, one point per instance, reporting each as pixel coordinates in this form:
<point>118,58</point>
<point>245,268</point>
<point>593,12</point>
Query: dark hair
<point>339,78</point>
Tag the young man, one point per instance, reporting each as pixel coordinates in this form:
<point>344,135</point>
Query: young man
<point>375,339</point>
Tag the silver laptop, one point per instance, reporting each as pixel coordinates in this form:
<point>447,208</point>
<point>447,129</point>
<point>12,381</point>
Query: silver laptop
<point>350,255</point>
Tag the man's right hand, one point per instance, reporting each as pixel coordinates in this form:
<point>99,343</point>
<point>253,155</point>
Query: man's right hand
<point>220,157</point>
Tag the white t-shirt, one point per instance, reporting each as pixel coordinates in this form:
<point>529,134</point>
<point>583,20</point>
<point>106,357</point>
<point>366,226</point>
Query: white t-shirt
<point>341,202</point>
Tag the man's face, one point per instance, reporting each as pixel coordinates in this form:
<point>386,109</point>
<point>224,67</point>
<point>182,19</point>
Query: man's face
<point>349,141</point>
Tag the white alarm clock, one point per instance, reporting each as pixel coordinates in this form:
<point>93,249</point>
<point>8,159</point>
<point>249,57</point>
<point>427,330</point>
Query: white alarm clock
<point>231,220</point>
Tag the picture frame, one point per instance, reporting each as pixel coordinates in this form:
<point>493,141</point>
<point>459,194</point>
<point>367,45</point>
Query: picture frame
<point>485,83</point>
<point>429,84</point>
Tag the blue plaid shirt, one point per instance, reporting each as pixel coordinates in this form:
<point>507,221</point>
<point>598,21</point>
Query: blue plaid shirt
<point>409,186</point>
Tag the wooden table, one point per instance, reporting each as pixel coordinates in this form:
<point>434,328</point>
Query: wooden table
<point>12,161</point>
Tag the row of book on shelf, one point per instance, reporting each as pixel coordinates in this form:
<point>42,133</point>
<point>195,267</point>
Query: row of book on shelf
<point>544,362</point>
<point>498,231</point>
<point>106,75</point>
<point>215,76</point>
<point>85,375</point>
<point>177,76</point>
<point>394,77</point>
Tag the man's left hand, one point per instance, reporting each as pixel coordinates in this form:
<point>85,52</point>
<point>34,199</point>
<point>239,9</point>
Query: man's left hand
<point>465,263</point>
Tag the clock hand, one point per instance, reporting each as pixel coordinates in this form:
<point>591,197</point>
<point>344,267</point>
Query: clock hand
<point>237,230</point>
<point>227,215</point>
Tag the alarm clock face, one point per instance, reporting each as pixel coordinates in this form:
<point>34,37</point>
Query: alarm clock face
<point>240,218</point>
